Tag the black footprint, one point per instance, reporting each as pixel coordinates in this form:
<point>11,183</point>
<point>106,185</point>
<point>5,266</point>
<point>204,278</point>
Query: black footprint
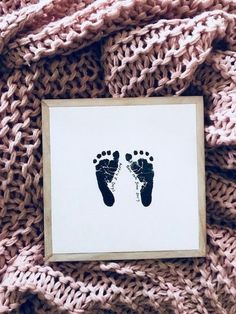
<point>105,171</point>
<point>143,169</point>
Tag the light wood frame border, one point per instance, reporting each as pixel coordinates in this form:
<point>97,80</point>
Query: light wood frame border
<point>47,103</point>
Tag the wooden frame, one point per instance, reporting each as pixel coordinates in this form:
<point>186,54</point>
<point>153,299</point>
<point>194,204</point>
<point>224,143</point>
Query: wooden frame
<point>47,104</point>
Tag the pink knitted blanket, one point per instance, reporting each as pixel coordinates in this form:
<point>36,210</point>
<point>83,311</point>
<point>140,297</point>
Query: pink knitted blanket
<point>114,48</point>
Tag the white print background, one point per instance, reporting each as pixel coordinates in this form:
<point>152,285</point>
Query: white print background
<point>80,220</point>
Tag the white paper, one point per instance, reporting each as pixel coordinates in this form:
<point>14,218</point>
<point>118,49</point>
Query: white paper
<point>81,222</point>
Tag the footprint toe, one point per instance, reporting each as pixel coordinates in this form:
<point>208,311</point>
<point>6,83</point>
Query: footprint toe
<point>141,152</point>
<point>103,153</point>
<point>151,158</point>
<point>116,154</point>
<point>94,161</point>
<point>147,153</point>
<point>128,157</point>
<point>99,156</point>
<point>135,152</point>
<point>108,152</point>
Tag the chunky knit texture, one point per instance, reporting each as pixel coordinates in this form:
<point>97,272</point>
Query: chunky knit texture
<point>114,48</point>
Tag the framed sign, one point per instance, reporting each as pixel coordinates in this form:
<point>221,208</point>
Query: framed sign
<point>124,178</point>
